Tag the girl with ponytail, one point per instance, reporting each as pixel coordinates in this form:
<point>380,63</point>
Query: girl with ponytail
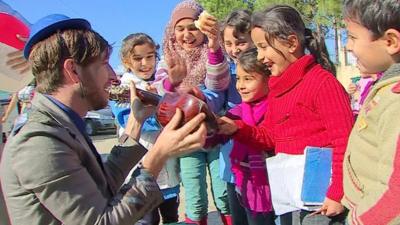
<point>307,107</point>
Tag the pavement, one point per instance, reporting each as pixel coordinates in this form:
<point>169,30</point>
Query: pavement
<point>106,140</point>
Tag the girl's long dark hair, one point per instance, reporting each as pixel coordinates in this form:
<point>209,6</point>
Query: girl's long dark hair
<point>249,63</point>
<point>281,21</point>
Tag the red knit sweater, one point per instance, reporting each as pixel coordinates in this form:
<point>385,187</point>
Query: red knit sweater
<point>308,107</point>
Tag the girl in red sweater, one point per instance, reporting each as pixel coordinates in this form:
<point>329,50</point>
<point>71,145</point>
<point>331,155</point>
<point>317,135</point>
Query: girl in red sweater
<point>307,105</point>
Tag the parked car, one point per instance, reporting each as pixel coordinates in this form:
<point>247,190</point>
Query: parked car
<point>99,120</point>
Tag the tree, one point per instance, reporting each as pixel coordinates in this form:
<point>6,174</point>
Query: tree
<point>221,8</point>
<point>321,16</point>
<point>331,16</point>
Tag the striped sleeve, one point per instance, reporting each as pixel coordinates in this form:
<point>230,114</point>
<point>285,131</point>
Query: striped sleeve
<point>218,74</point>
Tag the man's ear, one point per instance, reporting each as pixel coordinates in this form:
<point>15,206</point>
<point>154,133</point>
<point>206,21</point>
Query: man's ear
<point>392,41</point>
<point>69,68</point>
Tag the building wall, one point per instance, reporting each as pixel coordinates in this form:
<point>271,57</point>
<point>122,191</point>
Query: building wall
<point>345,72</point>
<point>346,68</point>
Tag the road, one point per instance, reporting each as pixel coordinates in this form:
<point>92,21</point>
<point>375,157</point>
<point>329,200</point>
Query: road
<point>104,142</point>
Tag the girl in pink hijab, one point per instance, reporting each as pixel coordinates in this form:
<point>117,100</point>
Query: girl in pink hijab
<point>191,53</point>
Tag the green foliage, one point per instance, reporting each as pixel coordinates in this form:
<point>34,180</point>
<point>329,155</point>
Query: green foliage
<point>221,8</point>
<point>315,12</point>
<point>319,15</point>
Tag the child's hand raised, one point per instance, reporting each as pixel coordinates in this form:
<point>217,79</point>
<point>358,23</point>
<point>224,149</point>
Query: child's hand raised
<point>209,25</point>
<point>226,126</point>
<point>176,68</point>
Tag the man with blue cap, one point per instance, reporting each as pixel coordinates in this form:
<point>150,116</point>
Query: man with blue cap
<point>50,170</point>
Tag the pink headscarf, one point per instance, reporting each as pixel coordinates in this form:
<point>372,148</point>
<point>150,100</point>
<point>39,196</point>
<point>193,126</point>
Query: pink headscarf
<point>196,58</point>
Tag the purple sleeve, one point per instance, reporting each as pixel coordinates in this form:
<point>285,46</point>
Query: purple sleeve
<point>215,58</point>
<point>168,86</point>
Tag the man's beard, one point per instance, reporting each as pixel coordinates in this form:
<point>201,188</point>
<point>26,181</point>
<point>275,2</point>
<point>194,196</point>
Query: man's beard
<point>92,96</point>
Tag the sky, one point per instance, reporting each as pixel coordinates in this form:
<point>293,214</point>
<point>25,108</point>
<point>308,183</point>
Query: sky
<point>114,20</point>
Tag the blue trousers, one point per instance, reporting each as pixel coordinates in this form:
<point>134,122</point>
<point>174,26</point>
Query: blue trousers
<point>193,174</point>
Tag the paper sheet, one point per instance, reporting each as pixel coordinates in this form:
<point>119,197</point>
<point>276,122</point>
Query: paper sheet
<point>285,173</point>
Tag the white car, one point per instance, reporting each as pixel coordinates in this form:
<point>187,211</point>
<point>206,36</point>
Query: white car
<point>99,120</point>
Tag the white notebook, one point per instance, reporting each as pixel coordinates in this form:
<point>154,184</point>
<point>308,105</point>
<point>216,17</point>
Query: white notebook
<point>285,174</point>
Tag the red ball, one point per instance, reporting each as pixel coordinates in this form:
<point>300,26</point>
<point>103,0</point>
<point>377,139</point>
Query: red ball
<point>190,106</point>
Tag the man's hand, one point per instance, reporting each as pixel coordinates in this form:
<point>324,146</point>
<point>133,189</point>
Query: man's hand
<point>226,126</point>
<point>139,110</point>
<point>139,113</point>
<point>175,141</point>
<point>17,61</point>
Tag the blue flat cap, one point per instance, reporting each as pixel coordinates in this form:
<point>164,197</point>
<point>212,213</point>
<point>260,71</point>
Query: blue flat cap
<point>49,25</point>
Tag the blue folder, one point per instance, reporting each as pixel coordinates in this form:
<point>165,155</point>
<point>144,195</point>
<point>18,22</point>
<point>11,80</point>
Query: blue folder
<point>317,175</point>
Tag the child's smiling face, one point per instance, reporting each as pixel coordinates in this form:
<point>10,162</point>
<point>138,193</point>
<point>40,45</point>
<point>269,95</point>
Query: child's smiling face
<point>371,53</point>
<point>188,35</point>
<point>276,57</point>
<point>235,42</point>
<point>251,86</point>
<point>142,61</point>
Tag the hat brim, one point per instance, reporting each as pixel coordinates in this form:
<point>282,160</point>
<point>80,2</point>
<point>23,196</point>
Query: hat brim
<point>53,28</point>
